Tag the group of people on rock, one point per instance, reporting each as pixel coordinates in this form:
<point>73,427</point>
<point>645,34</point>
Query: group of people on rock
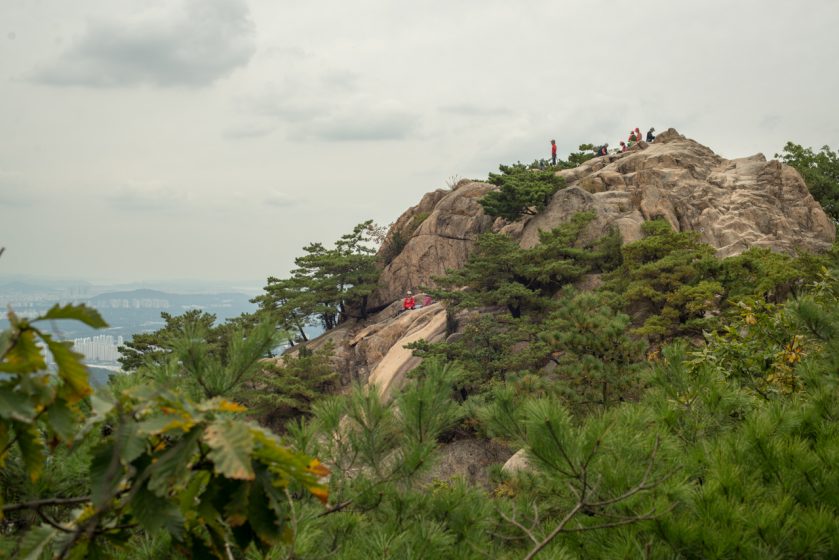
<point>634,138</point>
<point>410,302</point>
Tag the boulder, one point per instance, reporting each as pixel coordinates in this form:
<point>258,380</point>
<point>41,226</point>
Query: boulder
<point>518,462</point>
<point>468,459</point>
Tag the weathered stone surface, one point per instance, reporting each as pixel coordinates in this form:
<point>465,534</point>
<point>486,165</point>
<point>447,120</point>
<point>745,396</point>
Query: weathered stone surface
<point>733,204</point>
<point>382,346</point>
<point>451,220</point>
<point>466,459</point>
<point>518,462</point>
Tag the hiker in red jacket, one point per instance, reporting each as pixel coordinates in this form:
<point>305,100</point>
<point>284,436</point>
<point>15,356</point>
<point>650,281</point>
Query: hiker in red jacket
<point>553,152</point>
<point>623,146</point>
<point>408,302</point>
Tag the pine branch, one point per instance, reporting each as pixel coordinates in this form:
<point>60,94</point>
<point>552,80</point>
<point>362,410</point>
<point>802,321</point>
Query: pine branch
<point>583,503</point>
<point>335,509</point>
<point>524,529</point>
<point>35,504</point>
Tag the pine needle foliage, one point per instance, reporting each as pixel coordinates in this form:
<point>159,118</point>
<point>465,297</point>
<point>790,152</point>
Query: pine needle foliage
<point>820,170</point>
<point>522,191</point>
<point>285,389</point>
<point>500,273</point>
<point>668,278</point>
<point>598,359</point>
<point>328,285</point>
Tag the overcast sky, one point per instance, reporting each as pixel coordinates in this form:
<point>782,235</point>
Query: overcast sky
<point>212,139</point>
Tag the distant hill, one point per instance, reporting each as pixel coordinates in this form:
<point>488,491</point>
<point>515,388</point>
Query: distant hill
<point>140,293</point>
<point>23,288</point>
<point>127,312</point>
<point>162,300</point>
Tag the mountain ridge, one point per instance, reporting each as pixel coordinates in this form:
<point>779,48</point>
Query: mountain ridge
<point>732,204</point>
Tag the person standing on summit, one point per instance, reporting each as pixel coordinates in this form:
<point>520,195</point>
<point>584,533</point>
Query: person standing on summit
<point>553,152</point>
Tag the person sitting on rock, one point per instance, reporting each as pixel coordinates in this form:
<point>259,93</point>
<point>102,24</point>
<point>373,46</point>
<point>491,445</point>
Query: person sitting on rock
<point>623,146</point>
<point>633,138</point>
<point>650,135</point>
<point>409,303</point>
<point>426,300</point>
<point>602,150</point>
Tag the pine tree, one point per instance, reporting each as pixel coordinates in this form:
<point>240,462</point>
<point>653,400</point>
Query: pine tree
<point>598,360</point>
<point>522,191</point>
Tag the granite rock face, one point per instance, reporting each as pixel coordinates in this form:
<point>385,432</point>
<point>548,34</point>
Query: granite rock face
<point>733,204</point>
<point>431,238</point>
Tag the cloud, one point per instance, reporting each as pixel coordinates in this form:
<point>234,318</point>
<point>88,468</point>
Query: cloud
<point>362,123</point>
<point>770,122</point>
<point>467,110</point>
<point>15,190</point>
<point>150,198</point>
<point>201,42</point>
<point>280,199</point>
<point>246,131</point>
<point>316,101</point>
<point>354,118</point>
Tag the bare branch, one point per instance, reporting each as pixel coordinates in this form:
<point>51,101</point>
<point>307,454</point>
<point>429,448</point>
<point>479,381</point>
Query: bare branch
<point>524,529</point>
<point>51,522</point>
<point>35,504</point>
<point>640,487</point>
<point>559,528</point>
<point>334,509</point>
<point>626,521</point>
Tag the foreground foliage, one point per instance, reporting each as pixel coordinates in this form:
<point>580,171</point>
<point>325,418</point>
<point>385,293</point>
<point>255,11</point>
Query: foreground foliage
<point>158,460</point>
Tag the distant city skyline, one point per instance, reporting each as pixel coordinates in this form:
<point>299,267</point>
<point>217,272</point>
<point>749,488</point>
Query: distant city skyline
<point>87,286</point>
<point>146,141</point>
<point>101,348</point>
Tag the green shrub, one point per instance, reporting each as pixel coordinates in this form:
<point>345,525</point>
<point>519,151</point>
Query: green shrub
<point>522,191</point>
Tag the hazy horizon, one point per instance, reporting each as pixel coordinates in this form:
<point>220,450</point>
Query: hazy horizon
<point>183,285</point>
<point>212,139</point>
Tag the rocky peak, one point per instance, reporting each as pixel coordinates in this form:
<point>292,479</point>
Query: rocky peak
<point>733,204</point>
